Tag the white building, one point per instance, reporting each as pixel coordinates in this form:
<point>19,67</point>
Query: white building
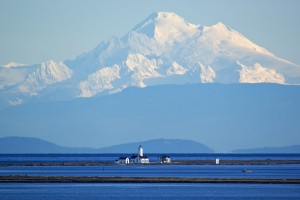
<point>164,159</point>
<point>123,160</point>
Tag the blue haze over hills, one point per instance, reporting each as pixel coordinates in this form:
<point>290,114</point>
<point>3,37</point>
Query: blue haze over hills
<point>222,116</point>
<point>286,149</point>
<point>23,145</point>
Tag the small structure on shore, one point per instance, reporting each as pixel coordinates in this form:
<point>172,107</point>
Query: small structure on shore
<point>164,159</point>
<point>123,160</point>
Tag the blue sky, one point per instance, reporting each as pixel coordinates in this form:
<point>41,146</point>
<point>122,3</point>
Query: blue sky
<point>33,31</point>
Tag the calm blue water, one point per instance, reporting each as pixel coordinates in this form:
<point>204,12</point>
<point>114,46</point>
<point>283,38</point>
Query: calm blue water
<point>204,171</point>
<point>87,191</point>
<point>37,191</point>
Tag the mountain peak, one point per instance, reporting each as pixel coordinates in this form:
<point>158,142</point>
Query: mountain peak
<point>221,26</point>
<point>47,73</point>
<point>166,27</point>
<point>162,49</point>
<point>168,15</point>
<point>162,15</point>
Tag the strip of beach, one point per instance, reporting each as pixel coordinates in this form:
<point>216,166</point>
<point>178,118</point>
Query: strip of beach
<point>96,179</point>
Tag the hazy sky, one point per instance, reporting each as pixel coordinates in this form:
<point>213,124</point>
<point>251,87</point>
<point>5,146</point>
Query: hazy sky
<point>33,31</point>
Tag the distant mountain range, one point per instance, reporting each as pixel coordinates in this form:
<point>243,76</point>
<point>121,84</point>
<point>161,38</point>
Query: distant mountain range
<point>22,145</point>
<point>162,49</point>
<point>33,145</point>
<point>285,149</point>
<point>161,146</point>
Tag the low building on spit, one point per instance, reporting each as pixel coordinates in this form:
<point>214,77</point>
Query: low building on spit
<point>164,159</point>
<point>123,160</point>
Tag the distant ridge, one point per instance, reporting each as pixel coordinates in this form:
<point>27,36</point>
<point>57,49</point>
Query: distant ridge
<point>23,145</point>
<point>26,145</point>
<point>11,145</point>
<point>160,146</point>
<point>285,149</point>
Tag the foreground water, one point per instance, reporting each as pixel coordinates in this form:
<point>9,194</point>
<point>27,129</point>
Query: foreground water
<point>188,171</point>
<point>36,191</point>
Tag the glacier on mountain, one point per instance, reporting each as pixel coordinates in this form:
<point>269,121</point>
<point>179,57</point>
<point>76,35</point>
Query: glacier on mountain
<point>162,49</point>
<point>259,74</point>
<point>48,73</point>
<point>99,81</point>
<point>207,74</point>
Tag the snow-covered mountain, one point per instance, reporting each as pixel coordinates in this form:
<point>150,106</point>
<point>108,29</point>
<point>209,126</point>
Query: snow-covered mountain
<point>162,49</point>
<point>28,81</point>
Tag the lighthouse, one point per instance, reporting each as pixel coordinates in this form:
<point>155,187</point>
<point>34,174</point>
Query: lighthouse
<point>139,158</point>
<point>140,151</point>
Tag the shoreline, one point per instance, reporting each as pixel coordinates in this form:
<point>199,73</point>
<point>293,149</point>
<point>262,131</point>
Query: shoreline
<point>95,179</point>
<point>176,162</point>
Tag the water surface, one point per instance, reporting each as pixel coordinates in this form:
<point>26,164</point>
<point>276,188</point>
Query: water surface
<point>37,191</point>
<point>188,171</point>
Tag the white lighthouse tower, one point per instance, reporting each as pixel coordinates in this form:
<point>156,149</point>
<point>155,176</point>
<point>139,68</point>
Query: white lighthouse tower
<point>140,158</point>
<point>140,151</point>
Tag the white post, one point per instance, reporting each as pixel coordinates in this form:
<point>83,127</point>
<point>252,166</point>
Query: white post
<point>217,161</point>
